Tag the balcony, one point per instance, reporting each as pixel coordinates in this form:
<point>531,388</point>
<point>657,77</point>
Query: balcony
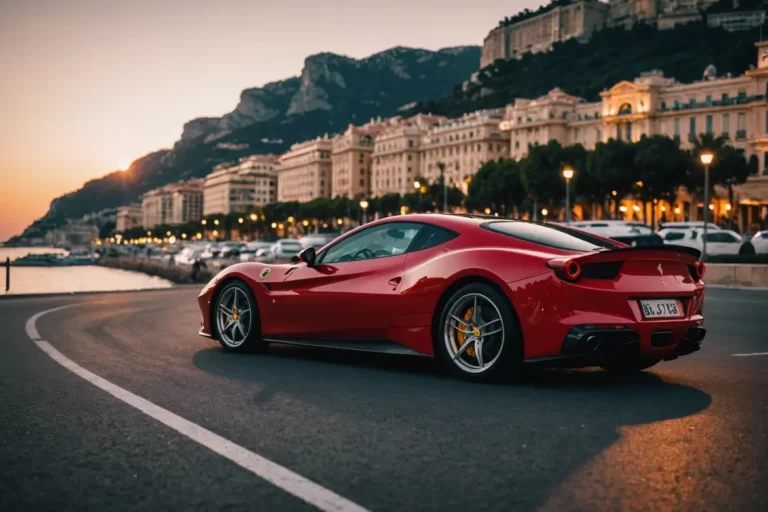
<point>739,100</point>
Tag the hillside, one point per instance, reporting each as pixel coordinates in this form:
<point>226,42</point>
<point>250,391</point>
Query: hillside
<point>331,92</point>
<point>611,55</point>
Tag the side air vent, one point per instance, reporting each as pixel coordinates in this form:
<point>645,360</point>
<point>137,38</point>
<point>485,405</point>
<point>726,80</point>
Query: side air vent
<point>606,270</point>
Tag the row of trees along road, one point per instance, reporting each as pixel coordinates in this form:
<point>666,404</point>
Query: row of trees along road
<point>652,168</point>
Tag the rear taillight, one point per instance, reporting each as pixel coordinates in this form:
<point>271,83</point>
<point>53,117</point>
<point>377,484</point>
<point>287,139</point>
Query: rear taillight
<point>570,270</point>
<point>697,271</point>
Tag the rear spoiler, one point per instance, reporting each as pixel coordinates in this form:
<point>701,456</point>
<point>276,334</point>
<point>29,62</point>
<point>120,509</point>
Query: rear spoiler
<point>687,255</point>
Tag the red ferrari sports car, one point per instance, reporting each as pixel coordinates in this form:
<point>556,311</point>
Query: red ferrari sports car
<point>483,294</point>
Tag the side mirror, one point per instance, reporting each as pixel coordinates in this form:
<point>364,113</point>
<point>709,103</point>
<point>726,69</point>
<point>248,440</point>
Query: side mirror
<point>308,256</point>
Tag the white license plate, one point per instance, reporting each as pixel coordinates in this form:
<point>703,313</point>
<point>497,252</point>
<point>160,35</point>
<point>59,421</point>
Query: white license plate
<point>661,308</point>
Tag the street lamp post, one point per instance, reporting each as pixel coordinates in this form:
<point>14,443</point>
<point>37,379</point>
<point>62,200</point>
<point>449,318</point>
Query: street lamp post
<point>706,159</point>
<point>417,186</point>
<point>441,166</point>
<point>568,174</point>
<point>364,205</point>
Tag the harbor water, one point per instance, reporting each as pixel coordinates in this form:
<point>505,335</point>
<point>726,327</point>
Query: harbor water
<point>66,279</point>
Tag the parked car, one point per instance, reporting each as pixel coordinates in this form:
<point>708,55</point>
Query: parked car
<point>187,256</point>
<point>286,248</point>
<point>318,240</point>
<point>210,251</point>
<point>230,249</point>
<point>719,242</point>
<point>630,233</point>
<point>663,226</point>
<point>258,251</point>
<point>760,242</point>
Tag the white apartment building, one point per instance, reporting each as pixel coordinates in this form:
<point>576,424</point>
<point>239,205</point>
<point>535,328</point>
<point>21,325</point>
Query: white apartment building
<point>178,203</point>
<point>241,186</point>
<point>732,107</point>
<point>462,145</point>
<point>397,154</point>
<point>352,159</point>
<point>304,172</point>
<point>128,217</point>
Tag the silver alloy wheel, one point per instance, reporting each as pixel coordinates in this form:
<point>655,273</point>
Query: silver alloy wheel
<point>474,333</point>
<point>233,317</point>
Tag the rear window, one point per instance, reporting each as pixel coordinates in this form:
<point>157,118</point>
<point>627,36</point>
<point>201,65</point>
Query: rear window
<point>550,235</point>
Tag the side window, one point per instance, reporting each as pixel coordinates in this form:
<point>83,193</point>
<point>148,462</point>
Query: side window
<point>694,235</point>
<point>764,236</point>
<point>431,236</point>
<point>674,236</point>
<point>729,238</point>
<point>390,239</point>
<point>717,237</point>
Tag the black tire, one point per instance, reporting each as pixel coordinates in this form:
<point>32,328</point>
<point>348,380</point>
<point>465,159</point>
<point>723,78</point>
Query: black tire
<point>629,366</point>
<point>252,341</point>
<point>747,249</point>
<point>508,365</point>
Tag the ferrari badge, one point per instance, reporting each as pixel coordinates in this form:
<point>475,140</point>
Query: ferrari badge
<point>264,273</point>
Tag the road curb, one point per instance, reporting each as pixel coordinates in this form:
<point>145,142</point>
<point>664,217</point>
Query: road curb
<point>100,292</point>
<point>737,287</point>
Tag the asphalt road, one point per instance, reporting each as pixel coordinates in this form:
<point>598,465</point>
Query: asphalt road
<point>386,433</point>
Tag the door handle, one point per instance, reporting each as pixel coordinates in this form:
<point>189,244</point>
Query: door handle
<point>395,281</point>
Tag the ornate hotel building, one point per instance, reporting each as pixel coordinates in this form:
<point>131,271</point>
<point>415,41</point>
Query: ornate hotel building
<point>463,145</point>
<point>538,33</point>
<point>397,154</point>
<point>352,159</point>
<point>129,217</point>
<point>734,107</point>
<point>304,172</point>
<point>239,187</point>
<point>177,203</point>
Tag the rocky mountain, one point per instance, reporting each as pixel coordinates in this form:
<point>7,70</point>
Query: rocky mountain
<point>331,92</point>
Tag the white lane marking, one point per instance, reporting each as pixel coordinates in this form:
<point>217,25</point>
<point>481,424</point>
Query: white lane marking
<point>31,326</point>
<point>281,477</point>
<point>751,354</point>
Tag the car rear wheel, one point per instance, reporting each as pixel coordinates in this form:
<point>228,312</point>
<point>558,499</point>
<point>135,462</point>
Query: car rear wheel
<point>478,337</point>
<point>236,319</point>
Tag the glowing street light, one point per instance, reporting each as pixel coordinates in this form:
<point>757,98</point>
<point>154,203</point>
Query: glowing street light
<point>216,222</point>
<point>568,174</point>
<point>253,217</point>
<point>204,222</point>
<point>240,220</point>
<point>416,185</point>
<point>706,157</point>
<point>544,212</point>
<point>487,211</point>
<point>364,206</point>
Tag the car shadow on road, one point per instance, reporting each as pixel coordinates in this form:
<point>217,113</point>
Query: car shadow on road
<point>527,438</point>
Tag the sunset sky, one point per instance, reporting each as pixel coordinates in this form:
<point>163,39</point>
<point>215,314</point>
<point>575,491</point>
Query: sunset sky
<point>89,85</point>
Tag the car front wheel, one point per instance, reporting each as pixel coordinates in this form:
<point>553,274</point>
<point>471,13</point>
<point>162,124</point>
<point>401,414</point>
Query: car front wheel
<point>237,319</point>
<point>478,337</point>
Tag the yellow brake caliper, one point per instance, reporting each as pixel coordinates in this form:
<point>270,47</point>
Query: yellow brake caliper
<point>461,337</point>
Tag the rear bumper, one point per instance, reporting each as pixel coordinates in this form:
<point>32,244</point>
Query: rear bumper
<point>587,345</point>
